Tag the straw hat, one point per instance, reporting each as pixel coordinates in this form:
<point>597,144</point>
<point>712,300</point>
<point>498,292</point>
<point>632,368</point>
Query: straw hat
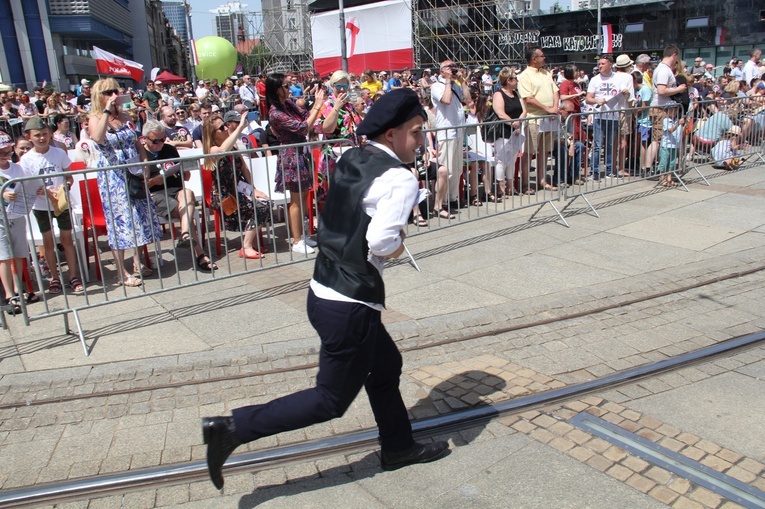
<point>735,130</point>
<point>623,61</point>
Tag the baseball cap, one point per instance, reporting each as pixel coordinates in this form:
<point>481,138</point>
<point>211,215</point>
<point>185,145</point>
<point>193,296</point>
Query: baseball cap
<point>5,140</point>
<point>232,116</point>
<point>83,81</point>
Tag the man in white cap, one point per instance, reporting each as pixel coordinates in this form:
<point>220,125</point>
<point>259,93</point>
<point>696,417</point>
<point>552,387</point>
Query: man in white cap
<point>361,225</point>
<point>83,82</point>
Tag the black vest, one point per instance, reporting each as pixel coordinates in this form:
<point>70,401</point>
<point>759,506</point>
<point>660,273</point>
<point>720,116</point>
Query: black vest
<point>342,261</point>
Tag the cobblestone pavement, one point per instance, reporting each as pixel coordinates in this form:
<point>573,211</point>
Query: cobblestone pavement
<point>145,412</point>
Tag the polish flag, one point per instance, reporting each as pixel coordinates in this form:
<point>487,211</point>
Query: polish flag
<point>608,39</point>
<point>112,65</point>
<point>351,32</point>
<point>720,36</point>
<point>382,39</point>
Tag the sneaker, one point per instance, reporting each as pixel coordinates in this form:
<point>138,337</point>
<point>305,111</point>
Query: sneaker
<point>309,241</point>
<point>302,247</point>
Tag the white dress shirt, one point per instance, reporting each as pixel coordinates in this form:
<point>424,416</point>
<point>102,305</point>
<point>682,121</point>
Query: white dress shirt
<point>388,201</point>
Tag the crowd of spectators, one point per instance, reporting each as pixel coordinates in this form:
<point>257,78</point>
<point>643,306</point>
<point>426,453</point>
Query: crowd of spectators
<point>628,117</point>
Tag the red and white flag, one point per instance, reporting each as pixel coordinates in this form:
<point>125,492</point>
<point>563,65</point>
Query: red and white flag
<point>351,32</point>
<point>720,36</point>
<point>112,65</point>
<point>380,37</point>
<point>608,39</point>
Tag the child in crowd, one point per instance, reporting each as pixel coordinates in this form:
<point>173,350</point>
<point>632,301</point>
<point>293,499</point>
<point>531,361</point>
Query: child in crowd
<point>724,151</point>
<point>671,139</point>
<point>51,163</point>
<point>13,237</point>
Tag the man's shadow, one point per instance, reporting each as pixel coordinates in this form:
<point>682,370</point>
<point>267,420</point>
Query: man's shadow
<point>463,391</point>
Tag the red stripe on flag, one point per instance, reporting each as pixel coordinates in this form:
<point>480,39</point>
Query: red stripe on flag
<point>608,39</point>
<point>357,64</point>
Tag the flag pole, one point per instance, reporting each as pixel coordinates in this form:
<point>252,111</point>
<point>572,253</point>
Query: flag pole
<point>343,50</point>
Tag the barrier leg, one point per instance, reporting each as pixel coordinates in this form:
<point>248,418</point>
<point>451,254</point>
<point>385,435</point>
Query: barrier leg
<point>554,208</point>
<point>586,201</point>
<point>80,333</point>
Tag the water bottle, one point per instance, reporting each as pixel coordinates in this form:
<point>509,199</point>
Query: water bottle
<point>306,229</point>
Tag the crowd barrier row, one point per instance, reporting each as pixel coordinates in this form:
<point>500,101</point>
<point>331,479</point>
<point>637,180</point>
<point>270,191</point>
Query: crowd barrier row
<point>469,178</point>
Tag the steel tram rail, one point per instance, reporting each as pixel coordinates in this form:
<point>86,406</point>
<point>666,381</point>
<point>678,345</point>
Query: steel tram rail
<point>114,484</point>
<point>403,349</point>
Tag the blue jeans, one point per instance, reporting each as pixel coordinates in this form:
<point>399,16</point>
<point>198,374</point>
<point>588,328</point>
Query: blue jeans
<point>564,165</point>
<point>608,129</point>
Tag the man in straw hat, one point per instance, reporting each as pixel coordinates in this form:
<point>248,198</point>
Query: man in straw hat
<point>369,200</point>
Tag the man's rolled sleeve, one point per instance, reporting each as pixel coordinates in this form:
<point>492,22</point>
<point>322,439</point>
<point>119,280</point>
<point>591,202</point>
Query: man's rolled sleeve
<point>389,202</point>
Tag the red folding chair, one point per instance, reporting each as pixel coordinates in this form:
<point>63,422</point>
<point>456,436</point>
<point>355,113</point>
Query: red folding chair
<point>93,218</point>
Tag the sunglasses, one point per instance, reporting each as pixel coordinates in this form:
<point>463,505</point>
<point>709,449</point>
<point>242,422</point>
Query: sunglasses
<point>222,127</point>
<point>158,140</point>
<point>341,87</point>
<point>111,91</point>
<point>286,87</point>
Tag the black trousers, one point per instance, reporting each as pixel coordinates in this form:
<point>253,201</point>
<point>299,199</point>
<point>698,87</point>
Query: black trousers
<point>356,351</point>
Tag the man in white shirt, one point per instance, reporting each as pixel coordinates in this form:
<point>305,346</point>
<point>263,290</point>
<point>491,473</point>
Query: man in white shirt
<point>486,81</point>
<point>448,95</point>
<point>202,92</point>
<point>250,98</point>
<point>347,296</point>
<point>610,92</point>
<point>738,72</point>
<point>752,69</point>
<point>664,87</point>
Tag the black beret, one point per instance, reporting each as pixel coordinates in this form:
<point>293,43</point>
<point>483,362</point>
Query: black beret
<point>391,110</point>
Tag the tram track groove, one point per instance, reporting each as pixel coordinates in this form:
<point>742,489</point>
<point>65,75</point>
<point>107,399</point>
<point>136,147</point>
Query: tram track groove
<point>156,477</point>
<point>402,348</point>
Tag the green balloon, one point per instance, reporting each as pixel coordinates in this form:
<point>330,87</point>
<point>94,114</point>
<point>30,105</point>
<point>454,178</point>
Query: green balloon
<point>217,58</point>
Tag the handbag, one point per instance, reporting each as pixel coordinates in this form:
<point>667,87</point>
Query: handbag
<point>228,205</point>
<point>61,203</point>
<point>135,186</point>
<point>491,132</point>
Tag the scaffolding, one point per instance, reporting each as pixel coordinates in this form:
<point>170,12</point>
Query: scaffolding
<point>285,31</point>
<point>472,33</point>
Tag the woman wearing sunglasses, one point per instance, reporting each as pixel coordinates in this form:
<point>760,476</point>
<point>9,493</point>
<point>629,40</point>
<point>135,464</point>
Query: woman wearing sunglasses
<point>337,120</point>
<point>294,171</point>
<point>130,222</point>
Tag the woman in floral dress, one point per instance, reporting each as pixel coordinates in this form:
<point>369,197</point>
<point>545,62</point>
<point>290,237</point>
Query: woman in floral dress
<point>130,223</point>
<point>294,172</point>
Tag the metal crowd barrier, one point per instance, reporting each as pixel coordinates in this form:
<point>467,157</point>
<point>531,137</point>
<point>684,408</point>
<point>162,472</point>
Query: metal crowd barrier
<point>471,168</point>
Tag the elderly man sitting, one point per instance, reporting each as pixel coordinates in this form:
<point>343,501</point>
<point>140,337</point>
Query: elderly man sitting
<point>168,194</point>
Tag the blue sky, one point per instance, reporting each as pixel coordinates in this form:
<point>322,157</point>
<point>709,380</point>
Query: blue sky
<point>202,20</point>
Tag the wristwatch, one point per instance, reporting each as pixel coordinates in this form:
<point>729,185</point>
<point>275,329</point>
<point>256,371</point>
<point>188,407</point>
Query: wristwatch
<point>106,111</point>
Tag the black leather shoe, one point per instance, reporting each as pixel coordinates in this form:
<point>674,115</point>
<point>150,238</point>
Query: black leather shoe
<point>221,440</point>
<point>418,453</point>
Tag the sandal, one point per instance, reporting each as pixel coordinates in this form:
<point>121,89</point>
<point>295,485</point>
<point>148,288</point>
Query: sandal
<point>444,214</point>
<point>54,286</point>
<point>11,306</point>
<point>31,298</point>
<point>185,241</point>
<point>549,187</point>
<point>145,272</point>
<point>204,263</point>
<point>475,201</point>
<point>418,220</point>
<point>529,191</point>
<point>76,284</point>
<point>133,281</point>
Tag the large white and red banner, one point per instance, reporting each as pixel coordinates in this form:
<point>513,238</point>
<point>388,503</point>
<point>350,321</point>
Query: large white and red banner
<point>378,36</point>
<point>112,65</point>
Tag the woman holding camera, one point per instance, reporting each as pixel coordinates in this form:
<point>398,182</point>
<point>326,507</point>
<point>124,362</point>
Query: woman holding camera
<point>130,222</point>
<point>294,171</point>
<point>337,120</point>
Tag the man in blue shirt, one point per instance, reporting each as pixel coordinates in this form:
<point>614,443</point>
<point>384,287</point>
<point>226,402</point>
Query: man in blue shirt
<point>395,82</point>
<point>296,89</point>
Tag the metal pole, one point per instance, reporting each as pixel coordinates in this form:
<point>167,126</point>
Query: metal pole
<point>190,32</point>
<point>343,51</point>
<point>601,46</point>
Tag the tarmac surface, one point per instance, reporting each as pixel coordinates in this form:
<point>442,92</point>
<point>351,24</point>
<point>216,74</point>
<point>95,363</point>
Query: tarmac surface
<point>662,272</point>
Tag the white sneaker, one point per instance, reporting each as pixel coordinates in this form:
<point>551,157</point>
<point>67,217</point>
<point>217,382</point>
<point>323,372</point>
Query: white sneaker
<point>302,247</point>
<point>309,241</point>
